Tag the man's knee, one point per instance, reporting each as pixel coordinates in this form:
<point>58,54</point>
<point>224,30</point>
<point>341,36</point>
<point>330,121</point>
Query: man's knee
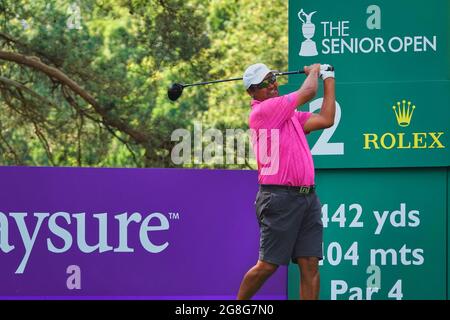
<point>266,268</point>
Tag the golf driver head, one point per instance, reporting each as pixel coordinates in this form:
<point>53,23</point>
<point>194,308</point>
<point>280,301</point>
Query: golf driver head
<point>175,91</point>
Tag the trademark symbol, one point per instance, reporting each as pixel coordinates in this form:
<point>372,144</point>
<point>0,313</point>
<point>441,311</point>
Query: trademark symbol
<point>174,216</point>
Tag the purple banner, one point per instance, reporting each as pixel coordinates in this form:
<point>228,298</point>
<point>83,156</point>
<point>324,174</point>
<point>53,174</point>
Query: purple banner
<point>90,233</point>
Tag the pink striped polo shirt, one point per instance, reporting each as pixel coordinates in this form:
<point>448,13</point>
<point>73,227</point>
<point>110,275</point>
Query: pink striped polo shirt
<point>279,141</point>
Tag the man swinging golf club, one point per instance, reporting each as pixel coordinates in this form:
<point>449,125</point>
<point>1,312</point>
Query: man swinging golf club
<point>287,207</point>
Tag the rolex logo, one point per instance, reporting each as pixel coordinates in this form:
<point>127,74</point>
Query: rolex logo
<point>403,112</point>
<point>403,140</point>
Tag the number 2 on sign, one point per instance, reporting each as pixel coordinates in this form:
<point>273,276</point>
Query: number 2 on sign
<point>322,146</point>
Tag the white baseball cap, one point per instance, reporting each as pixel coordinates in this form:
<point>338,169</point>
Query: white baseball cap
<point>255,74</point>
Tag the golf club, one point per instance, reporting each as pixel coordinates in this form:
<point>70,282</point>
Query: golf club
<point>176,89</point>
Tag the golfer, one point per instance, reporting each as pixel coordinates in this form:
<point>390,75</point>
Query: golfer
<point>287,207</point>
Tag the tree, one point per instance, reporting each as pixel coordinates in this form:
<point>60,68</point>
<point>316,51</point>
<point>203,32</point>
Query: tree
<point>84,83</point>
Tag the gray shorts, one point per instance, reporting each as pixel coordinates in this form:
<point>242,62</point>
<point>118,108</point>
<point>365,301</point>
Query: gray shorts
<point>290,224</point>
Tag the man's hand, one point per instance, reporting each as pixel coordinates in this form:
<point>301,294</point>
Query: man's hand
<point>324,74</point>
<point>312,68</point>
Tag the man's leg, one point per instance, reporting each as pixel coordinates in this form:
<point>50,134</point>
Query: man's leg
<point>255,278</point>
<point>309,278</point>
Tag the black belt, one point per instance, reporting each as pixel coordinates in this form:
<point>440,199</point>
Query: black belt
<point>297,189</point>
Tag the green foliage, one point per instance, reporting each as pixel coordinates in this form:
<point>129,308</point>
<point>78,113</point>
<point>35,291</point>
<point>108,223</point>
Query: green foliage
<point>125,54</point>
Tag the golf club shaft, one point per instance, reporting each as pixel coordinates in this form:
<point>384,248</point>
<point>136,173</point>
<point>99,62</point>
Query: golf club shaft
<point>235,79</point>
<point>208,82</point>
<point>290,72</point>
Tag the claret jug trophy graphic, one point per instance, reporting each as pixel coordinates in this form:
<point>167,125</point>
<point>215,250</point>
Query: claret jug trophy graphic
<point>308,47</point>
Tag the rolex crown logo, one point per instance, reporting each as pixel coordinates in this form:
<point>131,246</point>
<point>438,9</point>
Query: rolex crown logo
<point>403,112</point>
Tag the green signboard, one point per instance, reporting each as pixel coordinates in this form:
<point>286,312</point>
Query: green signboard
<point>383,172</point>
<point>384,236</point>
<point>380,125</point>
<point>448,228</point>
<point>392,80</point>
<point>371,41</point>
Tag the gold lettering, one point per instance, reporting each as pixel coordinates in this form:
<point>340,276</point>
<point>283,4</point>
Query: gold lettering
<point>400,142</point>
<point>367,140</point>
<point>436,139</point>
<point>418,139</point>
<point>383,137</point>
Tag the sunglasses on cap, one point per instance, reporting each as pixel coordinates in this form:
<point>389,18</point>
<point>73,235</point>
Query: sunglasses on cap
<point>267,82</point>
